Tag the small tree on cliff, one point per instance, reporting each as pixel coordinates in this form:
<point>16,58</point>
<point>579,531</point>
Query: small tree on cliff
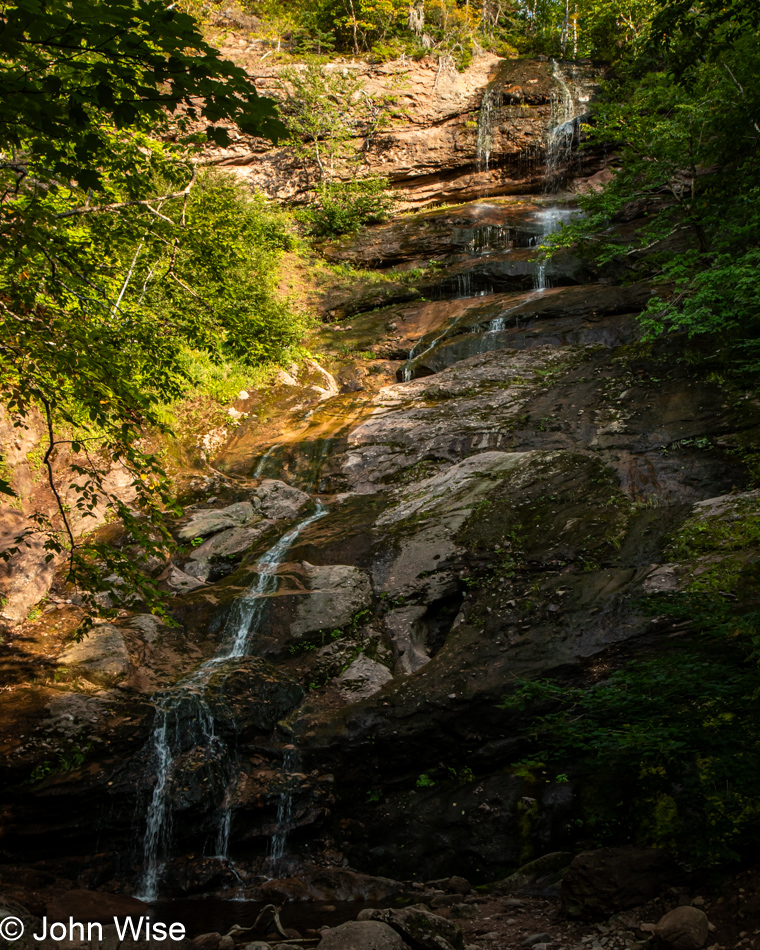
<point>333,122</point>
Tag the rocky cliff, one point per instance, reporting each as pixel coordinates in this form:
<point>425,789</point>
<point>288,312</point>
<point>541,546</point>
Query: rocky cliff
<point>484,483</point>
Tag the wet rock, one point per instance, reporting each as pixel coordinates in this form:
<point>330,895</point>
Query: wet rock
<point>615,879</point>
<point>210,521</point>
<point>248,696</point>
<point>420,928</point>
<point>684,928</point>
<point>94,906</point>
<point>362,935</point>
<point>363,678</point>
<point>101,657</point>
<point>280,501</point>
<point>330,884</point>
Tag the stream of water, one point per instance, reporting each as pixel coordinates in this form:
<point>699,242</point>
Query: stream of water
<point>184,725</point>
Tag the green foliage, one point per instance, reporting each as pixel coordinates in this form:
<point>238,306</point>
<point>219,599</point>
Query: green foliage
<point>344,207</point>
<point>118,260</point>
<point>71,71</point>
<point>66,762</point>
<point>692,168</point>
<point>425,781</point>
<point>455,30</point>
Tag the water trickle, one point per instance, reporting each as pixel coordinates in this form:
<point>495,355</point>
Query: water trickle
<point>278,843</point>
<point>185,724</point>
<point>261,467</point>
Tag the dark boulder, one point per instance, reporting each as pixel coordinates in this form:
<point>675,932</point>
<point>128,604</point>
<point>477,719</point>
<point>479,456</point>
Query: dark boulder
<point>600,882</point>
<point>362,935</point>
<point>419,928</point>
<point>684,928</point>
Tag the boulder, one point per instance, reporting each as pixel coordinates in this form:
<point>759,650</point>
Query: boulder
<point>420,928</point>
<point>547,865</point>
<point>335,594</point>
<point>248,696</point>
<point>362,935</point>
<point>610,879</point>
<point>363,678</point>
<point>101,657</point>
<point>212,520</point>
<point>179,580</point>
<point>280,501</point>
<point>94,907</point>
<point>229,542</point>
<point>685,928</point>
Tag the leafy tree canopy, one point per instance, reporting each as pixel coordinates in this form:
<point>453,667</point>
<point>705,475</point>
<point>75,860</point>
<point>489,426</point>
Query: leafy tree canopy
<point>119,260</point>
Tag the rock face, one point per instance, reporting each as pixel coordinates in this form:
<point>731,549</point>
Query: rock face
<point>101,658</point>
<point>497,494</point>
<point>615,879</point>
<point>462,135</point>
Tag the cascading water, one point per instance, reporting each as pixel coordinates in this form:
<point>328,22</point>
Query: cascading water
<point>564,128</point>
<point>550,220</point>
<point>484,146</point>
<point>185,723</point>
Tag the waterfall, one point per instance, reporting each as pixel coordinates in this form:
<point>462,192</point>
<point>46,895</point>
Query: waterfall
<point>550,220</point>
<point>259,471</point>
<point>491,237</point>
<point>185,723</point>
<point>563,131</point>
<point>484,146</point>
<point>290,765</point>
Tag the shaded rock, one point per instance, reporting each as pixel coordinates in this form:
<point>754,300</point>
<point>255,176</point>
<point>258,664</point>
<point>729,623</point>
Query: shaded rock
<point>181,581</point>
<point>363,678</point>
<point>280,501</point>
<point>684,928</point>
<point>247,695</point>
<point>337,592</point>
<point>599,882</point>
<point>533,939</point>
<point>211,521</point>
<point>94,906</point>
<point>547,864</point>
<point>362,935</point>
<point>209,941</point>
<point>408,640</point>
<point>459,885</point>
<point>420,928</point>
<point>101,658</point>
